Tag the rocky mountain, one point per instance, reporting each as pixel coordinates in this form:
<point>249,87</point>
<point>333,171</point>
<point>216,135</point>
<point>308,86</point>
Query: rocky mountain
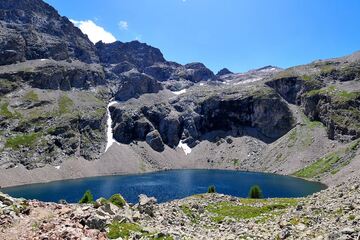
<point>32,29</point>
<point>56,88</point>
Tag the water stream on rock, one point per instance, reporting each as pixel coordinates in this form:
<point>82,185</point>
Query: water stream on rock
<point>109,132</point>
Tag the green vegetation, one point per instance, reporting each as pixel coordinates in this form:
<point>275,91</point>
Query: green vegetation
<point>339,96</point>
<point>65,104</point>
<point>264,211</point>
<point>311,124</point>
<point>332,163</point>
<point>327,69</point>
<point>87,198</point>
<point>292,137</point>
<point>31,96</point>
<point>125,230</point>
<point>117,200</point>
<point>236,162</point>
<point>7,86</point>
<point>25,140</point>
<point>321,166</point>
<point>192,216</point>
<point>255,192</point>
<point>211,189</point>
<point>4,111</point>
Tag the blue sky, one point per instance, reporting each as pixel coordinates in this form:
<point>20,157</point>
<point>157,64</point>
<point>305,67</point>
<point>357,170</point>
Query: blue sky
<point>237,34</point>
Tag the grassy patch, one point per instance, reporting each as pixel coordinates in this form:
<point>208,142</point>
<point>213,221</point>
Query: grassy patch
<point>7,86</point>
<point>4,111</point>
<point>25,140</point>
<point>332,163</point>
<point>264,211</point>
<point>338,96</point>
<point>321,166</point>
<point>65,104</point>
<point>194,218</point>
<point>31,96</point>
<point>125,230</point>
<point>292,137</point>
<point>312,124</point>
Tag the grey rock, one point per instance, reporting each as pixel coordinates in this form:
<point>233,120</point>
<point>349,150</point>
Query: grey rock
<point>154,139</point>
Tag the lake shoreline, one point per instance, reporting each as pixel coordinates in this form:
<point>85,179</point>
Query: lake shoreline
<point>120,159</point>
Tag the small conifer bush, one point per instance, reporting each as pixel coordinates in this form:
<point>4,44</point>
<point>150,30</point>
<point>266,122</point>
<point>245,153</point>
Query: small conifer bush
<point>87,198</point>
<point>255,192</point>
<point>211,189</point>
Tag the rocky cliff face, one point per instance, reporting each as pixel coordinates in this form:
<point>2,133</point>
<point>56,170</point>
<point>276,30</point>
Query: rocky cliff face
<point>55,86</point>
<point>194,116</point>
<point>328,91</point>
<point>31,29</point>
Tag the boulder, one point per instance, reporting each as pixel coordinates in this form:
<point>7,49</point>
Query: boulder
<point>146,204</point>
<point>155,141</point>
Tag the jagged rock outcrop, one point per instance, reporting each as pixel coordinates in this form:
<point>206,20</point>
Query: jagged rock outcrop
<point>133,84</point>
<point>291,87</point>
<point>139,54</point>
<point>32,29</point>
<point>50,74</point>
<point>194,72</point>
<point>195,115</point>
<point>224,71</point>
<point>338,111</point>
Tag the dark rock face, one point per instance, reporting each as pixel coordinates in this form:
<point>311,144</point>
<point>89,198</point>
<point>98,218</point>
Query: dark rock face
<point>32,29</point>
<point>224,71</point>
<point>195,72</point>
<point>139,54</point>
<point>340,116</point>
<point>162,71</point>
<point>133,84</point>
<point>154,140</point>
<point>291,88</point>
<point>55,74</point>
<point>265,113</point>
<point>192,118</point>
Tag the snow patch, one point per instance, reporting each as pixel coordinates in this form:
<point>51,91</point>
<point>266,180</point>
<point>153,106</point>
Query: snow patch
<point>248,81</point>
<point>185,147</point>
<point>179,92</point>
<point>109,131</point>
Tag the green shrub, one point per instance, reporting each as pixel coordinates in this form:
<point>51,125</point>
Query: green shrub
<point>25,140</point>
<point>117,200</point>
<point>87,198</point>
<point>255,192</point>
<point>212,189</point>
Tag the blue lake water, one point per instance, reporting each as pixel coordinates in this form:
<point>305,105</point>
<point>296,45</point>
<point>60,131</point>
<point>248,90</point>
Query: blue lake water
<point>169,185</point>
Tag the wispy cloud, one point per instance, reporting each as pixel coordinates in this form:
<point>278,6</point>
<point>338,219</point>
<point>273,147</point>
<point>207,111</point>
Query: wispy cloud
<point>123,25</point>
<point>94,32</point>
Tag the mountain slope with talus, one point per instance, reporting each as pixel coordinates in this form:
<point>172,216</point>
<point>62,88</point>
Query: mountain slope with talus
<point>55,88</point>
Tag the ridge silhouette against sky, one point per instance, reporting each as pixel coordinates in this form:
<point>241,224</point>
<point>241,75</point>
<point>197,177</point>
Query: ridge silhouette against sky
<point>237,34</point>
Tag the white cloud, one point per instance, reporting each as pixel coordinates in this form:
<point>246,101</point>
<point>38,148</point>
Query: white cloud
<point>123,25</point>
<point>94,32</point>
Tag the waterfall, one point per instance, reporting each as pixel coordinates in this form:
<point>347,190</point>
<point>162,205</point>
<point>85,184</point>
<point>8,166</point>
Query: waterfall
<point>109,132</point>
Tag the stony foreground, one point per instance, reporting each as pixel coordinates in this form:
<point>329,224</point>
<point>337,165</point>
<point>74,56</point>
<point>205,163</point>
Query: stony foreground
<point>331,214</point>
